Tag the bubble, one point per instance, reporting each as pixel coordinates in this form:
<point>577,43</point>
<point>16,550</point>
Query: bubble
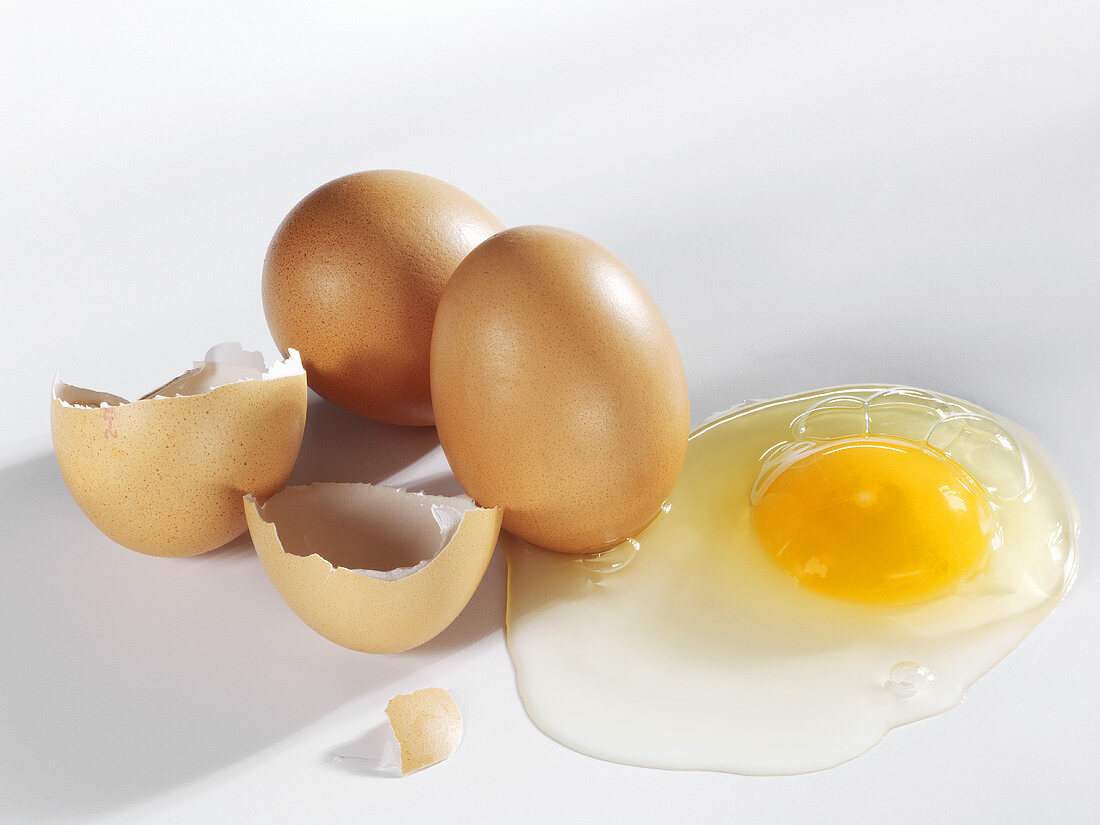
<point>906,413</point>
<point>610,561</point>
<point>973,440</point>
<point>907,679</point>
<point>987,451</point>
<point>833,417</point>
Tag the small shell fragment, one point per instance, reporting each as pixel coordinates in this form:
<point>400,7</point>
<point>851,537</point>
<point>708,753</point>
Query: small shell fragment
<point>374,569</point>
<point>164,475</point>
<point>428,727</point>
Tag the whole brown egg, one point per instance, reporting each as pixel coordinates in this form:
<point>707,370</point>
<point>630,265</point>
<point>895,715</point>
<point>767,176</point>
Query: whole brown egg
<point>559,392</point>
<point>352,279</point>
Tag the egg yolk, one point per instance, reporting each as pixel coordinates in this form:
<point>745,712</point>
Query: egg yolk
<point>875,520</point>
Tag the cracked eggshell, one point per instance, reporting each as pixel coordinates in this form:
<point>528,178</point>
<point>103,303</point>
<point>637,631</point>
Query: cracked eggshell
<point>374,569</point>
<point>164,475</point>
<point>427,725</point>
<point>352,279</point>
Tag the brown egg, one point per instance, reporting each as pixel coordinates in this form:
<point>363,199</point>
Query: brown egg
<point>352,279</point>
<point>559,392</point>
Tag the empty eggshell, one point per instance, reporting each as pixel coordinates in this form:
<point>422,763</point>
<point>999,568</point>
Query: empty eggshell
<point>427,725</point>
<point>375,569</point>
<point>164,475</point>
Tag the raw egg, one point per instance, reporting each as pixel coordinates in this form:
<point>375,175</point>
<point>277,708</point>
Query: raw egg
<point>164,475</point>
<point>830,566</point>
<point>352,279</point>
<point>559,392</point>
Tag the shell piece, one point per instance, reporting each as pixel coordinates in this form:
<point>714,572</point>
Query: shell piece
<point>375,569</point>
<point>352,279</point>
<point>428,727</point>
<point>164,475</point>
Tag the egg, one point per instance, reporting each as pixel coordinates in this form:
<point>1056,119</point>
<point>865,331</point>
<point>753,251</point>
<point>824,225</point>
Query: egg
<point>352,278</point>
<point>374,569</point>
<point>558,390</point>
<point>830,566</point>
<point>164,475</point>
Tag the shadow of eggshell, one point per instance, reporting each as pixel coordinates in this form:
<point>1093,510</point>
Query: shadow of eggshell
<point>164,475</point>
<point>427,725</point>
<point>374,569</point>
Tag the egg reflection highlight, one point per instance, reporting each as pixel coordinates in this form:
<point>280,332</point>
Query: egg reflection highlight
<point>829,566</point>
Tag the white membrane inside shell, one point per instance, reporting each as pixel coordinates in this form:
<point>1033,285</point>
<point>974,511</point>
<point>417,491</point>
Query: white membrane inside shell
<point>224,364</point>
<point>406,530</point>
<point>688,647</point>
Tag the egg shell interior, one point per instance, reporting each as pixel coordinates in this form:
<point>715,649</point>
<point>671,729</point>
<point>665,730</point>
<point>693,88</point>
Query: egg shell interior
<point>164,475</point>
<point>375,569</point>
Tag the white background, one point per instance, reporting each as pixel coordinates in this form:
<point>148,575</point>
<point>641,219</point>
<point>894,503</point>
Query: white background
<point>814,193</point>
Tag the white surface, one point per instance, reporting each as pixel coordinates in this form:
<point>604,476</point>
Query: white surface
<point>814,194</point>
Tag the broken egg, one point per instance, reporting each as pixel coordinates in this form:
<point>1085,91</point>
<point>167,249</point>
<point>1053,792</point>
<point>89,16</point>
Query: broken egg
<point>164,475</point>
<point>831,566</point>
<point>375,569</point>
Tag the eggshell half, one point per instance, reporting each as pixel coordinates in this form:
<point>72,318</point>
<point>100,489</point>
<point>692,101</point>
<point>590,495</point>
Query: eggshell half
<point>428,727</point>
<point>164,475</point>
<point>352,279</point>
<point>559,392</point>
<point>375,569</point>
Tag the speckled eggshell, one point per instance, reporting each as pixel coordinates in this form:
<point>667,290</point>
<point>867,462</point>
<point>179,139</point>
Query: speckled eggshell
<point>559,392</point>
<point>352,279</point>
<point>427,725</point>
<point>165,476</point>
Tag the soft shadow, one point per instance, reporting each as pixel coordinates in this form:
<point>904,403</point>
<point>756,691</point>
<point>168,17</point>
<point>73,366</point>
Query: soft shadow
<point>482,616</point>
<point>127,676</point>
<point>240,546</point>
<point>341,446</point>
<point>375,753</point>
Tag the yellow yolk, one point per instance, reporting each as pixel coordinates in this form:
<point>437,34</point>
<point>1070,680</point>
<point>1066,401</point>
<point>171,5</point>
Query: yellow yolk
<point>875,520</point>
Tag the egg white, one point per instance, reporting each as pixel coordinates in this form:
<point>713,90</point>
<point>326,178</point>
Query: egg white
<point>689,648</point>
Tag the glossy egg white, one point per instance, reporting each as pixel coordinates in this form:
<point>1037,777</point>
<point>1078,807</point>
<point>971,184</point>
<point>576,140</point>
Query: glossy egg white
<point>689,648</point>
